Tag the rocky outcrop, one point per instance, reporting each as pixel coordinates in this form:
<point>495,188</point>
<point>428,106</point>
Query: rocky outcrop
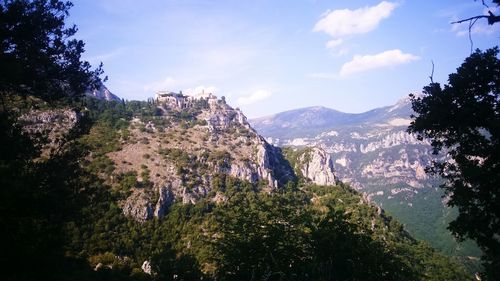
<point>102,93</point>
<point>166,198</point>
<point>49,128</point>
<point>138,206</point>
<point>398,138</point>
<point>269,165</point>
<point>146,267</point>
<point>199,138</point>
<point>49,122</point>
<point>317,166</point>
<point>264,170</point>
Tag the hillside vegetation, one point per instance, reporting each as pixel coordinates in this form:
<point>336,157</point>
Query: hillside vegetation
<point>240,230</point>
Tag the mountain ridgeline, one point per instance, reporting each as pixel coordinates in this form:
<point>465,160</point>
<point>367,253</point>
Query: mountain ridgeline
<point>183,188</point>
<point>374,154</point>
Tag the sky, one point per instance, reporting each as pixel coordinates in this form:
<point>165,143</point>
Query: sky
<point>268,56</point>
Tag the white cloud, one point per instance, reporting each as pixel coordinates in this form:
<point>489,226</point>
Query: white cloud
<point>368,62</point>
<point>335,47</point>
<point>339,51</point>
<point>200,89</point>
<point>323,75</point>
<point>480,27</point>
<point>344,22</point>
<point>334,43</point>
<point>257,96</point>
<point>163,85</point>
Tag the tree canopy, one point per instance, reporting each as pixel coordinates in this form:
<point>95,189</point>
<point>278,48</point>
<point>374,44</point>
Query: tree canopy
<point>462,119</point>
<point>38,196</point>
<point>38,55</point>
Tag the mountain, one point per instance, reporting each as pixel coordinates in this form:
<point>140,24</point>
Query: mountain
<point>102,93</point>
<point>190,142</point>
<point>292,123</point>
<point>184,188</point>
<point>373,153</point>
<point>312,121</point>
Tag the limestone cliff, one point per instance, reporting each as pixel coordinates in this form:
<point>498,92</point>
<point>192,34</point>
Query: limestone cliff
<point>317,166</point>
<point>50,128</point>
<point>313,164</point>
<point>182,153</point>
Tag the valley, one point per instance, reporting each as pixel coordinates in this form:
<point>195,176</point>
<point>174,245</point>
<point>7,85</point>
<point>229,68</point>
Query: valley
<point>373,153</point>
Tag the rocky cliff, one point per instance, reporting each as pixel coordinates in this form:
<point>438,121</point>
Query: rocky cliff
<point>185,151</point>
<point>312,164</point>
<point>102,93</point>
<point>50,128</point>
<point>318,167</point>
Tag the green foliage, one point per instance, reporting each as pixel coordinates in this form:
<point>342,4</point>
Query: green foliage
<point>427,219</point>
<point>39,201</point>
<point>127,181</point>
<point>261,236</point>
<point>463,118</point>
<point>38,55</point>
<point>294,155</point>
<point>286,236</point>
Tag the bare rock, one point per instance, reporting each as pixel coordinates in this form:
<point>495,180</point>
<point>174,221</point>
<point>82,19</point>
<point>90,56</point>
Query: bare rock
<point>138,206</point>
<point>146,267</point>
<point>49,127</point>
<point>165,199</point>
<point>317,166</point>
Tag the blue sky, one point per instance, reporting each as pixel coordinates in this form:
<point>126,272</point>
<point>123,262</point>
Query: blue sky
<point>267,56</point>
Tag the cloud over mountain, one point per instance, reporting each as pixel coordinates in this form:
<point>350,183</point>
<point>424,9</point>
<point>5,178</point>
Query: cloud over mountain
<point>256,96</point>
<point>361,63</point>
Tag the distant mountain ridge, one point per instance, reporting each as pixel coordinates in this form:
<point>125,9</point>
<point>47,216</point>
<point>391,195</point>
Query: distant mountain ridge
<point>311,121</point>
<point>102,93</point>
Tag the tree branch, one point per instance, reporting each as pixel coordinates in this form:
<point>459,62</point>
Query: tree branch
<point>469,19</point>
<point>492,19</point>
<point>484,4</point>
<point>432,73</point>
<point>471,24</point>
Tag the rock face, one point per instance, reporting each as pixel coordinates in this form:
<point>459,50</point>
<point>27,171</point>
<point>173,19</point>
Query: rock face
<point>317,166</point>
<point>50,127</point>
<point>48,121</point>
<point>138,206</point>
<point>166,198</point>
<point>146,267</point>
<point>102,93</point>
<point>194,143</point>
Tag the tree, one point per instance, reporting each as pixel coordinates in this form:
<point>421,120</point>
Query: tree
<point>262,237</point>
<point>462,119</point>
<point>38,56</point>
<point>38,197</point>
<point>342,251</point>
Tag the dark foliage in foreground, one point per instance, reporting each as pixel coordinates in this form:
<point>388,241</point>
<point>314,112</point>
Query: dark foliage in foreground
<point>463,119</point>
